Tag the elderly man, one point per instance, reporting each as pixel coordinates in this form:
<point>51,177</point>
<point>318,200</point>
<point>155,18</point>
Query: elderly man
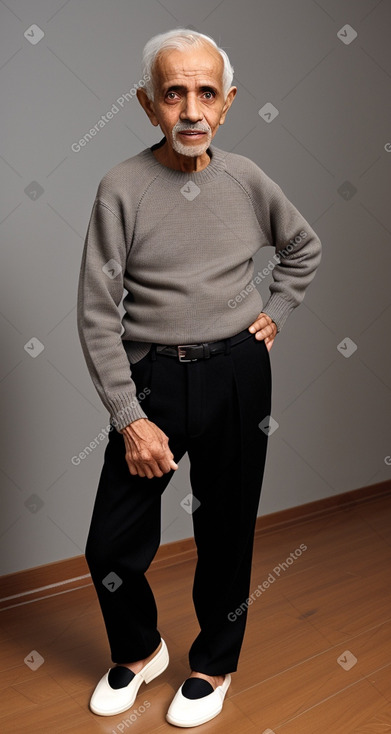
<point>177,226</point>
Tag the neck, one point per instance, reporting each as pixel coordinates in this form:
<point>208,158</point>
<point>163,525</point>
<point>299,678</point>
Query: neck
<point>188,164</point>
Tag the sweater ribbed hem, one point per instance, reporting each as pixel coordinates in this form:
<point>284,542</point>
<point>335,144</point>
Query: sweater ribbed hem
<point>135,350</point>
<point>124,409</point>
<point>278,309</point>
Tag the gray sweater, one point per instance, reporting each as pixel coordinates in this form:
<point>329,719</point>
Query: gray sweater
<point>179,246</point>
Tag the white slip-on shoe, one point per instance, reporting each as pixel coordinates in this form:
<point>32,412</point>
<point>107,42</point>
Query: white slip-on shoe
<point>118,688</point>
<point>198,705</point>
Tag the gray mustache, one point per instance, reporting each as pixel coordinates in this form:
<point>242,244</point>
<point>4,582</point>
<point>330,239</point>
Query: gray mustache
<point>192,129</point>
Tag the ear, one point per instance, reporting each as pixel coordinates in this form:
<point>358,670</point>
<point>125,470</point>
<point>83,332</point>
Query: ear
<point>227,104</point>
<point>147,105</point>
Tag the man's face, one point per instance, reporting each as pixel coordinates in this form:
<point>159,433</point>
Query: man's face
<point>189,104</point>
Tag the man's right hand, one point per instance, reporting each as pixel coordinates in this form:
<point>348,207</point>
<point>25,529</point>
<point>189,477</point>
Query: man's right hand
<point>146,449</point>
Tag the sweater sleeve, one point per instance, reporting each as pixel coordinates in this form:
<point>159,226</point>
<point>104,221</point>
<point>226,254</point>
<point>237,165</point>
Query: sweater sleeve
<point>100,291</point>
<point>298,248</point>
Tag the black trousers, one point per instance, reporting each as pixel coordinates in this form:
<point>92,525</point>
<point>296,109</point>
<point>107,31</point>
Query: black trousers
<point>211,409</point>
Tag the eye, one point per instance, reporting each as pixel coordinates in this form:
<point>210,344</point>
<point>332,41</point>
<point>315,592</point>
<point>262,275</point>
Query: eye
<point>211,93</point>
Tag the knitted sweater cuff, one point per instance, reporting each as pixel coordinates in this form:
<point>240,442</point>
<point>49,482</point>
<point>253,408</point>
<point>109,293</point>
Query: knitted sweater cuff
<point>124,409</point>
<point>278,309</point>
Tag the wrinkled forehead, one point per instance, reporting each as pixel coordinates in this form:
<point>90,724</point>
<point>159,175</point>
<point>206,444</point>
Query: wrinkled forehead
<point>200,64</point>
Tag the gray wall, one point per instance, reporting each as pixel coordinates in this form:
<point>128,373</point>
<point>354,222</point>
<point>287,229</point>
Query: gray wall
<point>329,150</point>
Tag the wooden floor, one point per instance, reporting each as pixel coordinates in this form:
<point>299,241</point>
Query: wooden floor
<point>316,658</point>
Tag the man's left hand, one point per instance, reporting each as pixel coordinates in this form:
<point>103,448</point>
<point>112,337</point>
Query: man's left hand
<point>264,328</point>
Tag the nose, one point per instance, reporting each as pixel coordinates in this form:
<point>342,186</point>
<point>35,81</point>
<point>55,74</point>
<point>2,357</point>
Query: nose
<point>191,109</point>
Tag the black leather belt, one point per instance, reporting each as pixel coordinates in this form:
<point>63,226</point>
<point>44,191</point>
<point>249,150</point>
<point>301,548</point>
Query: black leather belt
<point>203,350</point>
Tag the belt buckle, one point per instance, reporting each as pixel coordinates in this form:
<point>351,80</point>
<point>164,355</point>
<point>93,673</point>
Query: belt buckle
<point>182,352</point>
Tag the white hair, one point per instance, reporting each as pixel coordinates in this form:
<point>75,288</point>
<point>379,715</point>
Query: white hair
<point>181,39</point>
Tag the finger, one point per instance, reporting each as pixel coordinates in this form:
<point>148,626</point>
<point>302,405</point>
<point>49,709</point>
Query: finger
<point>268,330</point>
<point>154,469</point>
<point>132,468</point>
<point>169,458</point>
<point>260,321</point>
<point>269,338</point>
<point>166,465</point>
<point>149,473</point>
<point>140,471</point>
<point>143,470</point>
<point>255,326</point>
<point>263,333</point>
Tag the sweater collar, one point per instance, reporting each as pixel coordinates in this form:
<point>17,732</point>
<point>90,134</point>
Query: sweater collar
<point>215,166</point>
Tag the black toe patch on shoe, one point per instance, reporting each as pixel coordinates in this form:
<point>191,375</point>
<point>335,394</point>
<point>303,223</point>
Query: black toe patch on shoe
<point>120,676</point>
<point>196,688</point>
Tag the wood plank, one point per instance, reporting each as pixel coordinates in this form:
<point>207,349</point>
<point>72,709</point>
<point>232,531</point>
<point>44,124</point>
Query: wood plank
<point>333,598</point>
<point>343,714</point>
<point>301,687</point>
<point>32,583</point>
